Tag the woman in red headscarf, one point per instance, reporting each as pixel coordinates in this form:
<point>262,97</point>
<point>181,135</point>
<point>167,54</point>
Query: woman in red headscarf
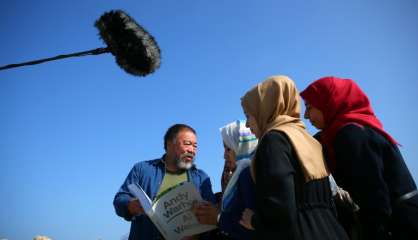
<point>363,158</point>
<point>292,192</point>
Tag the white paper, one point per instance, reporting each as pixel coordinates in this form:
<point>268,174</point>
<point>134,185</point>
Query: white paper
<point>172,214</point>
<point>143,198</point>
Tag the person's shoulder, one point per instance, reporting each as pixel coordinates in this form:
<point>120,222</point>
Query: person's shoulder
<point>148,163</point>
<point>350,133</point>
<point>354,132</point>
<point>351,129</point>
<point>199,171</point>
<point>245,173</point>
<point>276,139</point>
<point>275,136</point>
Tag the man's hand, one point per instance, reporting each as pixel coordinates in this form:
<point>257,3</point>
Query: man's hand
<point>245,221</point>
<point>206,213</point>
<point>134,207</point>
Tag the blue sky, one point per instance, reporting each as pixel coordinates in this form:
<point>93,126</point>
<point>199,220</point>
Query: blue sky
<point>70,130</point>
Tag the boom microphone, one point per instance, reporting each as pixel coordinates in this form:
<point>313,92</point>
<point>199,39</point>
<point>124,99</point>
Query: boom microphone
<point>135,50</point>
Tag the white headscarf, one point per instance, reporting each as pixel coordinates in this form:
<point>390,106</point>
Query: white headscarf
<point>243,142</point>
<point>240,139</point>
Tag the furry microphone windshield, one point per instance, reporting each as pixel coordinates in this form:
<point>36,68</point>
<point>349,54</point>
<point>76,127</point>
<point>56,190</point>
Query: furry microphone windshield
<point>134,48</point>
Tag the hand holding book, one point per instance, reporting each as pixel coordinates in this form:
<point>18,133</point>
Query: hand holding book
<point>134,207</point>
<point>171,212</point>
<point>206,213</point>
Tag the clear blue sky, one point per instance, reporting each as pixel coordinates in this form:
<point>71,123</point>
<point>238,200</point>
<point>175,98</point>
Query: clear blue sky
<point>70,130</point>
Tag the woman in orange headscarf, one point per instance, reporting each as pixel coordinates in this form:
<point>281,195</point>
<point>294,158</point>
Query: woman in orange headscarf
<point>364,158</point>
<point>293,196</point>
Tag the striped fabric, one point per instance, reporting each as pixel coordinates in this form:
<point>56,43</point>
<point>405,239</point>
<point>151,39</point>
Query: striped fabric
<point>244,143</point>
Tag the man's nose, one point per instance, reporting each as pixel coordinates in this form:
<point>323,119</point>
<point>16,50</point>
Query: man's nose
<point>191,149</point>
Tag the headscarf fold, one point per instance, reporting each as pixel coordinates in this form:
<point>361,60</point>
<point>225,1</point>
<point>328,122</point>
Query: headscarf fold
<point>239,138</point>
<point>243,142</point>
<point>342,102</point>
<point>275,105</point>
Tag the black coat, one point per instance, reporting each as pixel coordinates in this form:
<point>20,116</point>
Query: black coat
<point>373,171</point>
<point>286,206</point>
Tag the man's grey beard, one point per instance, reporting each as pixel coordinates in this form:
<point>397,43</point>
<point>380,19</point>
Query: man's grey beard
<point>183,165</point>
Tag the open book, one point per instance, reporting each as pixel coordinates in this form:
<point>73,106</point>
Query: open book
<point>171,213</point>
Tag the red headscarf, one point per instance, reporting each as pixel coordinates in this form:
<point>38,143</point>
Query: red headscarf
<point>342,102</point>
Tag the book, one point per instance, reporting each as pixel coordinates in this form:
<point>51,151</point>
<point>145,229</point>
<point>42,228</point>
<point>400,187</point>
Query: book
<point>171,211</point>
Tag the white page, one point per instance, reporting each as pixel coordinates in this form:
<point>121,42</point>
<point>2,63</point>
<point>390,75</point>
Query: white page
<point>173,211</point>
<point>146,203</point>
<point>143,198</point>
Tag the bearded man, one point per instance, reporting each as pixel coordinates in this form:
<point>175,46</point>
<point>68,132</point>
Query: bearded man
<point>159,175</point>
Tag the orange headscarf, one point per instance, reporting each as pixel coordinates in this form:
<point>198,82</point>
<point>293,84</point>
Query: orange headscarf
<point>275,105</point>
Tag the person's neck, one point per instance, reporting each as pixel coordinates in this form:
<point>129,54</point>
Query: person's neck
<point>171,166</point>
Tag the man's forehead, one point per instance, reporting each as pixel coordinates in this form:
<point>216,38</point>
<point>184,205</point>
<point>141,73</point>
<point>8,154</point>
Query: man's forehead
<point>186,135</point>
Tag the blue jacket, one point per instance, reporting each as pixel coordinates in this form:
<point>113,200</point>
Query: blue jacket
<point>243,197</point>
<point>149,175</point>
